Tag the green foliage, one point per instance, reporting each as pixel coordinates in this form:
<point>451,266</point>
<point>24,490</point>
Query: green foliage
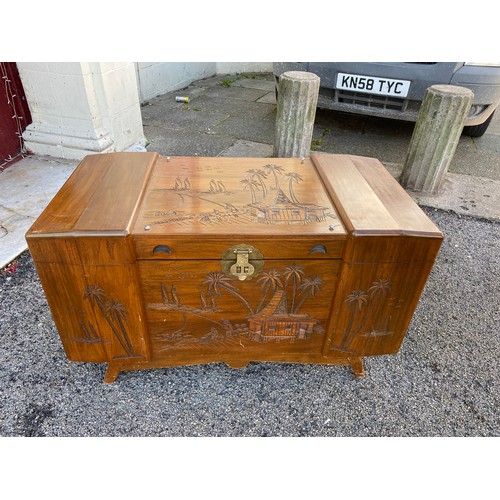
<point>316,143</point>
<point>227,82</point>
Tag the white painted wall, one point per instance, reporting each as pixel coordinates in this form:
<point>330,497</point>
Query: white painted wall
<point>81,108</point>
<point>84,108</point>
<point>224,68</point>
<point>156,78</point>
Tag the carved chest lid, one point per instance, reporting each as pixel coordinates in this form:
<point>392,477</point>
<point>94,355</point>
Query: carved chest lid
<point>223,197</point>
<point>147,195</point>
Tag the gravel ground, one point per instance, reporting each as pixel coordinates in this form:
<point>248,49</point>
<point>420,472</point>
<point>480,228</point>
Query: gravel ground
<point>443,382</point>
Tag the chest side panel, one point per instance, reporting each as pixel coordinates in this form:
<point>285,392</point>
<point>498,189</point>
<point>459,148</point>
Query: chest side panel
<point>95,303</point>
<point>387,259</point>
<point>374,306</point>
<point>84,256</point>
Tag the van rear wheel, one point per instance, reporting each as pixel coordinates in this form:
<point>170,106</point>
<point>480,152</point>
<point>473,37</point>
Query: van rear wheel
<point>478,130</point>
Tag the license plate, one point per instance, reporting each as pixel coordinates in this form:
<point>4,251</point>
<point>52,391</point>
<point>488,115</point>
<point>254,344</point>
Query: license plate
<point>373,85</point>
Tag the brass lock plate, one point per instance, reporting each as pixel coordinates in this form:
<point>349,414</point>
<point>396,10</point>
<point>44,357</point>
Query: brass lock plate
<point>242,262</point>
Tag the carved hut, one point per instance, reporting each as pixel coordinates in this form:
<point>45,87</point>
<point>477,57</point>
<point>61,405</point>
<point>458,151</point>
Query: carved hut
<point>275,323</point>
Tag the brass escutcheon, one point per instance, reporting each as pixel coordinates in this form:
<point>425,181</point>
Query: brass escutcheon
<point>242,262</point>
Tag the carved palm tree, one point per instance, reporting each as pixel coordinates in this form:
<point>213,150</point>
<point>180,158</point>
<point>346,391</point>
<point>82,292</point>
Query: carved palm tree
<point>295,274</point>
<point>270,280</point>
<point>293,177</point>
<point>379,288</point>
<point>164,294</point>
<point>309,288</point>
<point>217,281</point>
<point>252,184</point>
<point>116,313</point>
<point>203,301</point>
<point>275,170</point>
<point>355,301</point>
<point>96,296</point>
<point>260,175</point>
<point>175,296</point>
<point>378,292</point>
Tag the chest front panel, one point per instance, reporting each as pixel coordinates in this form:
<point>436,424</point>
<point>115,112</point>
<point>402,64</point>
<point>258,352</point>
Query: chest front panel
<point>193,305</point>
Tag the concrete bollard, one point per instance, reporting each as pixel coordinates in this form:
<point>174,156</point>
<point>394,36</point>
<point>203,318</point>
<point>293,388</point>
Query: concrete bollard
<point>435,137</point>
<point>296,110</point>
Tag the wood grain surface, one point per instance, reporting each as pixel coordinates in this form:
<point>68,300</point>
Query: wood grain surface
<point>236,196</point>
<point>132,255</point>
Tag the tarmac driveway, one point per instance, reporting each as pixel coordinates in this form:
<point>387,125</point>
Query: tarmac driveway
<point>443,382</point>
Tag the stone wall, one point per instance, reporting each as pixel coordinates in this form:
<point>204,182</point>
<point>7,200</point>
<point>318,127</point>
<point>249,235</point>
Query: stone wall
<point>156,78</point>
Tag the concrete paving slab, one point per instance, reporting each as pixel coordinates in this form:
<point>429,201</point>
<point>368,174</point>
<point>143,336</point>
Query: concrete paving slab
<point>466,195</point>
<point>254,83</point>
<point>233,107</point>
<point>384,147</point>
<point>242,128</point>
<point>268,98</point>
<point>168,101</point>
<point>160,103</point>
<point>189,117</point>
<point>12,240</point>
<point>248,149</point>
<point>237,93</point>
<point>271,117</point>
<point>211,81</point>
<point>25,190</point>
<point>489,142</point>
<point>472,160</point>
<point>360,125</point>
<point>186,143</point>
<point>461,194</point>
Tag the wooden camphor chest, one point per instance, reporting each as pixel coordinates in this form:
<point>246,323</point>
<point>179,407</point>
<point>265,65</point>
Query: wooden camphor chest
<point>149,261</point>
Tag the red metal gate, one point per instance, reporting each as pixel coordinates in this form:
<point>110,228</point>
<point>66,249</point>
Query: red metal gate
<point>14,114</point>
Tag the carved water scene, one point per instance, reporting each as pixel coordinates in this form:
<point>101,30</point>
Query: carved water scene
<point>114,313</point>
<point>277,314</point>
<point>265,195</point>
<point>369,312</point>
